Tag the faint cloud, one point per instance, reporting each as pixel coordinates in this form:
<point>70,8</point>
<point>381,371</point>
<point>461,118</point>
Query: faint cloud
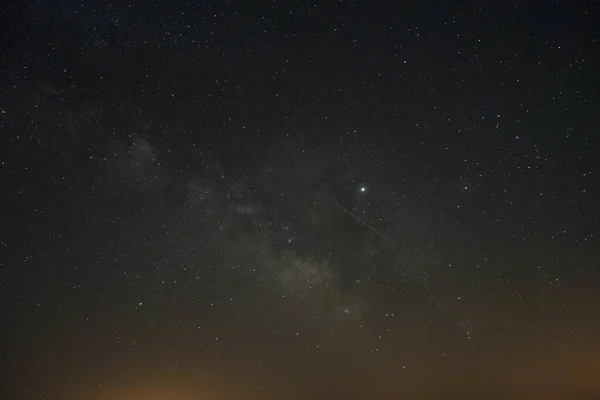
<point>136,163</point>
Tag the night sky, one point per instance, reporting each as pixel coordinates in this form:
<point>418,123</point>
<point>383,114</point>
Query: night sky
<point>225,200</point>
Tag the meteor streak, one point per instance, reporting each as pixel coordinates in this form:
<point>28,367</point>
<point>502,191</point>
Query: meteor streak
<point>359,220</point>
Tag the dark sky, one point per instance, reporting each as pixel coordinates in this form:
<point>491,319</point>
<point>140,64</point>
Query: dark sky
<point>227,200</point>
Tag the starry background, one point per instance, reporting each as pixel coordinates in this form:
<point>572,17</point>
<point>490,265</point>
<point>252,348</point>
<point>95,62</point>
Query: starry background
<point>279,199</point>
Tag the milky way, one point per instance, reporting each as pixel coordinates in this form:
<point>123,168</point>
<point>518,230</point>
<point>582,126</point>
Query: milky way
<point>212,200</point>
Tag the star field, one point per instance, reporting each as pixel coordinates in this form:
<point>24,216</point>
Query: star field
<point>266,200</point>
